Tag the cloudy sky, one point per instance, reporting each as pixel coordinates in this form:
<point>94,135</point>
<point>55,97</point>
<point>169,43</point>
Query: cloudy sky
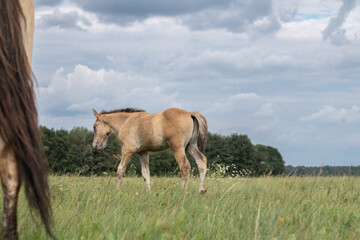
<point>284,72</point>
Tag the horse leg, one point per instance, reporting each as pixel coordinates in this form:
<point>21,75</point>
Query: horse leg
<point>10,184</point>
<point>145,170</point>
<point>125,159</point>
<point>201,162</point>
<point>184,164</point>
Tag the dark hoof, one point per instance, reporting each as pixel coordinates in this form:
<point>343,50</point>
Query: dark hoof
<point>203,191</point>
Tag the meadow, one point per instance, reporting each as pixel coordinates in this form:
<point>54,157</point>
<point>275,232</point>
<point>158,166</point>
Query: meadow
<point>233,208</point>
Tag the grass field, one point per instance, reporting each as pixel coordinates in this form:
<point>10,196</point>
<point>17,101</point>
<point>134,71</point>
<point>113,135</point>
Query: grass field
<point>238,208</point>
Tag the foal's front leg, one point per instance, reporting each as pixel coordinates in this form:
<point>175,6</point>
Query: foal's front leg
<point>145,170</point>
<point>10,184</point>
<point>125,159</point>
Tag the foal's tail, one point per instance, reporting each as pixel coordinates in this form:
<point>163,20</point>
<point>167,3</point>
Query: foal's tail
<point>202,129</point>
<point>18,122</point>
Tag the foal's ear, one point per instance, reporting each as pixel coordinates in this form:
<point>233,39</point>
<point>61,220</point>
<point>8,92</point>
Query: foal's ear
<point>96,114</point>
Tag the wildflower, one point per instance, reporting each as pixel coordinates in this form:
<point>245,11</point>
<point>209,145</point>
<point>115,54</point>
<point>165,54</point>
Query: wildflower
<point>162,225</point>
<point>281,220</point>
<point>159,223</point>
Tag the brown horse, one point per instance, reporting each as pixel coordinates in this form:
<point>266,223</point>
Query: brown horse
<point>141,132</point>
<point>21,155</point>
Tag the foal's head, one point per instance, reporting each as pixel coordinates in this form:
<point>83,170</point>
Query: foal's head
<point>102,132</point>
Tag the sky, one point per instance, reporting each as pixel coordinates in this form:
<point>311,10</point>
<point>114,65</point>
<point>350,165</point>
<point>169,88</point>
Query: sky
<point>284,72</point>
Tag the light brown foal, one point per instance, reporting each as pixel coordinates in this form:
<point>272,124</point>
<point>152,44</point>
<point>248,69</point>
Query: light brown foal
<point>140,132</point>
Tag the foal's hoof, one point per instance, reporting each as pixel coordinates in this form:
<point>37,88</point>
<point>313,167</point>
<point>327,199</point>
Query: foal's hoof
<point>202,191</point>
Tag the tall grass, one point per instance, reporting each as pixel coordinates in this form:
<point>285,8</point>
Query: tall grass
<point>233,208</point>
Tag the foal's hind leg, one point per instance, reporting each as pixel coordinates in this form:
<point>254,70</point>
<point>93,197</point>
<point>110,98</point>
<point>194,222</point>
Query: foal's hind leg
<point>125,159</point>
<point>201,162</point>
<point>10,184</point>
<point>145,170</point>
<point>184,164</point>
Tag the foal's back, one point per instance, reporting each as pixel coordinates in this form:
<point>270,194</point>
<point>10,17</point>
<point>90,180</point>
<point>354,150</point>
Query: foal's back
<point>155,131</point>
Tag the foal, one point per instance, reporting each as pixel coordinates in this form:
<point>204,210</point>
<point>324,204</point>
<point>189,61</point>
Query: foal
<point>140,132</point>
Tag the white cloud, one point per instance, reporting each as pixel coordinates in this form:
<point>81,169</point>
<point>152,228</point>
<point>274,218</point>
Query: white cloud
<point>69,16</point>
<point>85,88</point>
<point>331,114</point>
<point>244,96</point>
<point>266,109</point>
<point>234,102</point>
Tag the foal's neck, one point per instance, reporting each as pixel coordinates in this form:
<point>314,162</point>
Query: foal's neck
<point>115,120</point>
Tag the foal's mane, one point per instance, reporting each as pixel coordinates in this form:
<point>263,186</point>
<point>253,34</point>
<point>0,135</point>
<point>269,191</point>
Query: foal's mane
<point>126,110</point>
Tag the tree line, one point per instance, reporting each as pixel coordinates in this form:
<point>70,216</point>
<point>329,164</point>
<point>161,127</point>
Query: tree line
<point>322,171</point>
<point>70,152</point>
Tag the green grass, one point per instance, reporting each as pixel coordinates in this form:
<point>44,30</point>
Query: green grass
<point>238,208</point>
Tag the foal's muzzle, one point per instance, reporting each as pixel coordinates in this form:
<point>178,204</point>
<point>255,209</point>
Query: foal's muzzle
<point>96,145</point>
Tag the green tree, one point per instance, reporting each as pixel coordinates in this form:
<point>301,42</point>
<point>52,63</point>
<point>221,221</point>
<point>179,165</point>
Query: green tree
<point>216,149</point>
<point>80,152</point>
<point>163,163</point>
<point>242,153</point>
<point>268,160</point>
<point>104,160</point>
<point>56,146</point>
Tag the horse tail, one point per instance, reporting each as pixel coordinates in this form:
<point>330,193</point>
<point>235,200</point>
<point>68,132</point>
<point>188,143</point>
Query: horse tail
<point>201,130</point>
<point>18,122</point>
